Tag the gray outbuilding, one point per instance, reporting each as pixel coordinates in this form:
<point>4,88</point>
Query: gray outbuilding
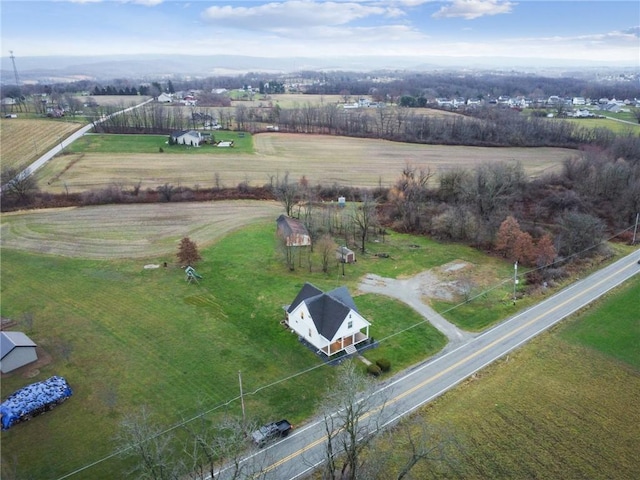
<point>16,350</point>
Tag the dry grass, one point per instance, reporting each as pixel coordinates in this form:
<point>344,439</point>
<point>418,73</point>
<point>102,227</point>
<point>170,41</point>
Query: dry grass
<point>128,231</point>
<point>24,140</point>
<point>116,100</point>
<point>322,159</point>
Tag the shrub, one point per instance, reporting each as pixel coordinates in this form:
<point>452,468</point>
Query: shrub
<point>384,364</point>
<point>374,370</point>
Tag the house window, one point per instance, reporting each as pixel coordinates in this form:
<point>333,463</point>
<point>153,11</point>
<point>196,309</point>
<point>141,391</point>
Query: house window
<point>350,324</point>
<point>302,315</point>
<point>309,333</point>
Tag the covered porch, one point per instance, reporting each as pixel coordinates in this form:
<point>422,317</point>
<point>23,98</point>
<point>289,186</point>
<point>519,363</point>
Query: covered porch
<point>344,342</point>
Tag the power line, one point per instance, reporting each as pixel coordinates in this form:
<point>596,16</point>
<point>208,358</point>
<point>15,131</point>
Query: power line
<point>315,367</point>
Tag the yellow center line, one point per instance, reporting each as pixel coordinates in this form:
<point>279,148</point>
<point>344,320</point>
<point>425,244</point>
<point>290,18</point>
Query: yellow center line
<point>446,370</point>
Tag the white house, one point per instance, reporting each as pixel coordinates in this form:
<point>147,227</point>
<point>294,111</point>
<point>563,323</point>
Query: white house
<point>165,98</point>
<point>328,321</point>
<point>16,350</point>
<point>187,137</point>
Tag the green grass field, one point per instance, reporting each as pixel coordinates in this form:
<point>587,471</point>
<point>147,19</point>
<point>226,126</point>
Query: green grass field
<point>125,337</point>
<point>135,144</point>
<point>567,405</point>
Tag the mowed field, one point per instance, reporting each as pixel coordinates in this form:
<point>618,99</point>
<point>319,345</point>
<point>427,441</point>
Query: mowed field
<point>23,140</point>
<point>322,159</point>
<point>126,336</point>
<point>128,231</point>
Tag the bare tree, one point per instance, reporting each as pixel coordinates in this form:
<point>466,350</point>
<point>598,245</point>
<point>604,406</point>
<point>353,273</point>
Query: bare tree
<point>286,193</point>
<point>287,250</point>
<point>326,247</point>
<point>18,186</point>
<point>351,421</point>
<point>364,218</point>
<point>139,437</point>
<point>212,448</point>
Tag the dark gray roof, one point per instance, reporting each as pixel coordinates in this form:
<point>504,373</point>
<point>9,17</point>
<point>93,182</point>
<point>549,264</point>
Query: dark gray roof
<point>328,310</point>
<point>307,291</point>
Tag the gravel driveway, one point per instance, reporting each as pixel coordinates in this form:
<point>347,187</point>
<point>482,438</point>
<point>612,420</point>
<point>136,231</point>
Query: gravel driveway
<point>411,291</point>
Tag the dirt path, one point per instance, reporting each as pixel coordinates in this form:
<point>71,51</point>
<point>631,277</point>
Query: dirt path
<point>411,291</point>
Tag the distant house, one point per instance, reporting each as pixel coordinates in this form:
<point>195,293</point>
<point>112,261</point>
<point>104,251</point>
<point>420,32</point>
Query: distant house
<point>16,350</point>
<point>187,137</point>
<point>328,321</point>
<point>165,98</point>
<point>293,231</point>
<point>344,255</point>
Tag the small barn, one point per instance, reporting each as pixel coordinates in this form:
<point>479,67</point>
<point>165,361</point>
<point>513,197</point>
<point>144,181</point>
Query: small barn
<point>345,255</point>
<point>16,350</point>
<point>294,231</point>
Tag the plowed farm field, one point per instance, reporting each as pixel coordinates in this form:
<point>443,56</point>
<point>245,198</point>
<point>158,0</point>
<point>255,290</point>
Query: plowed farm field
<point>323,159</point>
<point>23,140</point>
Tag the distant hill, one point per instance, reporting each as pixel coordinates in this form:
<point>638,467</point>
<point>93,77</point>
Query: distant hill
<point>69,68</point>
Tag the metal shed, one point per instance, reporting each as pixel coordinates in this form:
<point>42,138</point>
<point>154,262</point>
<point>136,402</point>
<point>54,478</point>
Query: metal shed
<point>16,350</point>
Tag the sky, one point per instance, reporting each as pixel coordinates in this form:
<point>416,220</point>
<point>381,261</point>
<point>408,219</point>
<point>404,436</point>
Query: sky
<point>603,31</point>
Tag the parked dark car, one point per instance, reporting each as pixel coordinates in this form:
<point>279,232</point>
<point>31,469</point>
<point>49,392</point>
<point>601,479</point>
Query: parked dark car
<point>270,432</point>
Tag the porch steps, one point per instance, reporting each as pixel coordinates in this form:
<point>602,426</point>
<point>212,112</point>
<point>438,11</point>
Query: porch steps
<point>350,349</point>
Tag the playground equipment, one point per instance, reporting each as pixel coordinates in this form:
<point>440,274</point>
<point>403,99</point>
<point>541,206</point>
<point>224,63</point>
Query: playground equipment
<point>32,400</point>
<point>192,275</point>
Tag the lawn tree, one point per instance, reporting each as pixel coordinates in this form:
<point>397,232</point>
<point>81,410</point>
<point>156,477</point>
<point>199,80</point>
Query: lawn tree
<point>287,250</point>
<point>365,218</point>
<point>326,247</point>
<point>351,421</point>
<point>151,448</point>
<point>188,252</point>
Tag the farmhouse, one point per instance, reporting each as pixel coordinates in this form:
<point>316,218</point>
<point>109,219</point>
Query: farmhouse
<point>187,137</point>
<point>165,98</point>
<point>16,350</point>
<point>293,231</point>
<point>328,321</point>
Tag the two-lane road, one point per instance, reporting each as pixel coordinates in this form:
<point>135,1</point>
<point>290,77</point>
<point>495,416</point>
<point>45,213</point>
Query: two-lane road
<point>295,456</point>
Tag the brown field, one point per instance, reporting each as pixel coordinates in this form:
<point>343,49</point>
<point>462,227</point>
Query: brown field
<point>128,231</point>
<point>549,410</point>
<point>115,100</point>
<point>23,140</point>
<point>322,159</point>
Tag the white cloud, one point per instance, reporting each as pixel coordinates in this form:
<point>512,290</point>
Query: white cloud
<point>470,9</point>
<point>294,14</point>
<point>148,3</point>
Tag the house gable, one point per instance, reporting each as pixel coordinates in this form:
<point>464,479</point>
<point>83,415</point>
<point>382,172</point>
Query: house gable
<point>323,318</point>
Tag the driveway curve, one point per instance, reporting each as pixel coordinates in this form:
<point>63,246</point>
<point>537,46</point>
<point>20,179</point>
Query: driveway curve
<point>410,291</point>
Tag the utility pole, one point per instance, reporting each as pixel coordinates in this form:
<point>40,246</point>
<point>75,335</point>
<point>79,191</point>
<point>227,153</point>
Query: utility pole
<point>635,229</point>
<point>515,280</point>
<point>15,70</point>
<point>241,397</point>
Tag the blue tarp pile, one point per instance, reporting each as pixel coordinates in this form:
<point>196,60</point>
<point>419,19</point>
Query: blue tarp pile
<point>33,400</point>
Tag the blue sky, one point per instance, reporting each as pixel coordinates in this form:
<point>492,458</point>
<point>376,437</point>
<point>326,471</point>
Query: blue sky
<point>606,31</point>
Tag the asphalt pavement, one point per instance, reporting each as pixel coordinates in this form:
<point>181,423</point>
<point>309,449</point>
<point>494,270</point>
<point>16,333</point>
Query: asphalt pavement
<point>302,451</point>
